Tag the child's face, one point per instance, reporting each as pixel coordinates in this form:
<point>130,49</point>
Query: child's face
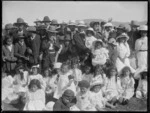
<point>9,41</point>
<point>97,88</point>
<point>34,88</point>
<point>126,73</point>
<point>83,90</point>
<point>66,100</point>
<point>46,73</point>
<point>35,71</point>
<point>113,72</point>
<point>65,69</point>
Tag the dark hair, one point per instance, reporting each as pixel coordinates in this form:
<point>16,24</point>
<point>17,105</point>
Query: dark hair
<point>46,70</point>
<point>97,43</point>
<point>7,37</point>
<point>54,72</point>
<point>88,31</point>
<point>143,74</point>
<point>34,82</point>
<point>98,67</point>
<point>87,67</point>
<point>124,69</point>
<point>119,39</point>
<point>109,70</point>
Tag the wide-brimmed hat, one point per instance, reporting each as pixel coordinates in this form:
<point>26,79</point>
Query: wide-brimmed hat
<point>123,35</point>
<point>121,26</point>
<point>112,41</point>
<point>91,29</point>
<point>37,20</point>
<point>10,26</point>
<point>143,28</point>
<point>52,29</point>
<point>54,22</point>
<point>46,19</point>
<point>134,23</point>
<point>72,22</point>
<point>81,24</point>
<point>97,82</point>
<point>108,24</point>
<point>31,29</point>
<point>20,21</point>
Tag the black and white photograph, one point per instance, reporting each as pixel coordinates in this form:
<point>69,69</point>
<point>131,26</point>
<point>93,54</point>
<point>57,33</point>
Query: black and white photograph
<point>74,56</point>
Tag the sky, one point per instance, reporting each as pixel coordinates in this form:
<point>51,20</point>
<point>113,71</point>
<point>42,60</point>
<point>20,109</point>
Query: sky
<point>65,11</point>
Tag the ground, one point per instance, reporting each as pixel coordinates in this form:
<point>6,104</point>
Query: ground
<point>133,105</point>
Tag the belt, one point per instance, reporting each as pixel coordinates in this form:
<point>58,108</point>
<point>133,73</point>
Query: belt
<point>142,50</point>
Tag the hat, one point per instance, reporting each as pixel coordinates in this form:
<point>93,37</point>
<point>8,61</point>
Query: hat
<point>31,29</point>
<point>134,23</point>
<point>54,22</point>
<point>103,23</point>
<point>52,29</point>
<point>108,24</point>
<point>35,66</point>
<point>90,29</point>
<point>46,19</point>
<point>112,41</point>
<point>57,65</point>
<point>81,24</point>
<point>68,93</point>
<point>63,23</point>
<point>20,21</point>
<point>94,23</point>
<point>143,28</point>
<point>84,83</point>
<point>97,82</point>
<point>9,26</point>
<point>37,20</point>
<point>123,35</point>
<point>72,22</point>
<point>121,26</point>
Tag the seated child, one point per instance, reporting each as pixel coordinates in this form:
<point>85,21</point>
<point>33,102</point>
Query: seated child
<point>97,96</point>
<point>66,81</point>
<point>35,96</point>
<point>127,85</point>
<point>84,102</point>
<point>141,91</point>
<point>65,103</point>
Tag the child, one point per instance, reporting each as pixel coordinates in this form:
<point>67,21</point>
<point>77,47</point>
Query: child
<point>99,75</point>
<point>84,97</point>
<point>87,75</point>
<point>65,103</point>
<point>35,96</point>
<point>141,91</point>
<point>97,96</point>
<point>100,54</point>
<point>127,84</point>
<point>65,81</point>
<point>112,87</point>
<point>35,75</point>
<point>76,71</point>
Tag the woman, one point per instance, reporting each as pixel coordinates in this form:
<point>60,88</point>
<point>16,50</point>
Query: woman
<point>8,55</point>
<point>123,53</point>
<point>141,51</point>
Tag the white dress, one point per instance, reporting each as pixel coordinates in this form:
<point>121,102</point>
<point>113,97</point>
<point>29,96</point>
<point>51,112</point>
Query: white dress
<point>89,41</point>
<point>101,55</point>
<point>100,78</point>
<point>141,44</point>
<point>84,102</point>
<point>35,100</point>
<point>127,85</point>
<point>62,85</point>
<point>142,89</point>
<point>77,75</point>
<point>124,53</point>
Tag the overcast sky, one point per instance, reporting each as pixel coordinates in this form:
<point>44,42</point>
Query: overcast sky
<point>65,11</point>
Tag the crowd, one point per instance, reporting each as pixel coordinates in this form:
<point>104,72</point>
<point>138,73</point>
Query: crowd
<point>73,66</point>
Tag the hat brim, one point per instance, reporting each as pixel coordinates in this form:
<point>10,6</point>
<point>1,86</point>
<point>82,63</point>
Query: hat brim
<point>81,25</point>
<point>134,25</point>
<point>52,31</point>
<point>20,23</point>
<point>45,21</point>
<point>37,21</point>
<point>71,24</point>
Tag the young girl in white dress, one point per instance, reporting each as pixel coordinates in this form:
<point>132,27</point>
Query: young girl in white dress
<point>99,74</point>
<point>98,99</point>
<point>141,48</point>
<point>123,53</point>
<point>84,102</point>
<point>141,91</point>
<point>127,85</point>
<point>112,86</point>
<point>36,75</point>
<point>99,53</point>
<point>66,81</point>
<point>35,96</point>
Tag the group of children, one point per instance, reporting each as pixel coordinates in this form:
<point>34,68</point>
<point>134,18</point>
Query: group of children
<point>68,88</point>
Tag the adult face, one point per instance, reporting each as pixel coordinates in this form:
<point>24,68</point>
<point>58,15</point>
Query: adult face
<point>96,27</point>
<point>134,28</point>
<point>72,27</point>
<point>38,23</point>
<point>143,33</point>
<point>21,27</point>
<point>81,29</point>
<point>52,36</point>
<point>47,23</point>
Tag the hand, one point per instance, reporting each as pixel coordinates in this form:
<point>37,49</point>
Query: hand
<point>29,51</point>
<point>41,56</point>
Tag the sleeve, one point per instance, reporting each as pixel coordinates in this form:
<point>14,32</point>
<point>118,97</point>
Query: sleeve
<point>128,50</point>
<point>137,45</point>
